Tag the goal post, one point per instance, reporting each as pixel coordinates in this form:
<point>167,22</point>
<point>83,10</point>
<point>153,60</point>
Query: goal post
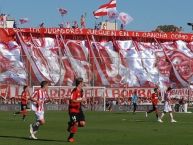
<point>95,96</point>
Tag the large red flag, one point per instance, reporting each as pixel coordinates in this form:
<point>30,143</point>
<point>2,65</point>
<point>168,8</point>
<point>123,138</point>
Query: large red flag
<point>103,9</point>
<point>23,20</point>
<point>62,11</point>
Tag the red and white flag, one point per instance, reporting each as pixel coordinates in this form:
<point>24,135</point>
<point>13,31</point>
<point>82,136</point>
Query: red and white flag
<point>3,19</point>
<point>125,18</point>
<point>103,9</point>
<point>68,25</point>
<point>23,20</point>
<point>82,21</point>
<point>62,11</point>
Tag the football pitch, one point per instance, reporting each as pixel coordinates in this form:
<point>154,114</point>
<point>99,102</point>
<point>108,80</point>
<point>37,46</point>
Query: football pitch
<point>102,128</point>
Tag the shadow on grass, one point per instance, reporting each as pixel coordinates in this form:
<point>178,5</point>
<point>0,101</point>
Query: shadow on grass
<point>119,112</point>
<point>27,138</point>
<point>139,120</point>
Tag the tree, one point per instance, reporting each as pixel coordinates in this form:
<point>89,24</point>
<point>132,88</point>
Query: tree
<point>168,28</point>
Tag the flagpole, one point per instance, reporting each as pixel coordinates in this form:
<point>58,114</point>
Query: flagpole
<point>85,15</point>
<point>115,24</point>
<point>106,22</point>
<point>101,23</point>
<point>62,19</point>
<point>62,12</point>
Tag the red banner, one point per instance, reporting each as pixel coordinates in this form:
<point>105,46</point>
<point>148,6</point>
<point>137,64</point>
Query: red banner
<point>14,91</point>
<point>118,33</point>
<point>185,93</point>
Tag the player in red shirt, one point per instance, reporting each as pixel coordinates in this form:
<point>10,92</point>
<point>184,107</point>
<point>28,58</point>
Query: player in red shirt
<point>76,115</point>
<point>154,100</point>
<point>24,102</point>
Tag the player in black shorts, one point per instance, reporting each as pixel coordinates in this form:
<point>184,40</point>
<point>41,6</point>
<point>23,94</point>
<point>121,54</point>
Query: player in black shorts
<point>24,102</point>
<point>76,114</point>
<point>81,117</point>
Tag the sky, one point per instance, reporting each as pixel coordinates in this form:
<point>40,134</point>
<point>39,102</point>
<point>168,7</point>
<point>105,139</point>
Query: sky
<point>147,14</point>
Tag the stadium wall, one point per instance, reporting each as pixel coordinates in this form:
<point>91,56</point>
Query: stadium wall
<point>10,94</point>
<point>54,107</point>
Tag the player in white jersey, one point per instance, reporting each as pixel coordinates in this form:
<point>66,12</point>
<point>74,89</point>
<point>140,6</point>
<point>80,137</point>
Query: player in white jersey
<point>38,98</point>
<point>167,106</point>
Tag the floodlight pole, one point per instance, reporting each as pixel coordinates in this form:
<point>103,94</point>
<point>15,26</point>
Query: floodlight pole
<point>190,24</point>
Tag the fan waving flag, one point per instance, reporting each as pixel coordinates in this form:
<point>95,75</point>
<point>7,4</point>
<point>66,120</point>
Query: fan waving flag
<point>103,9</point>
<point>23,20</point>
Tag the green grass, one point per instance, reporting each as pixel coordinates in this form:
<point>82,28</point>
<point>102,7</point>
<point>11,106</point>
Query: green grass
<point>102,128</point>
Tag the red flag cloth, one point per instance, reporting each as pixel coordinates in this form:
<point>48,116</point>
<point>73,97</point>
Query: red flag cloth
<point>62,11</point>
<point>83,22</point>
<point>103,9</point>
<point>42,25</point>
<point>68,25</point>
<point>1,20</point>
<point>125,18</point>
<point>23,20</point>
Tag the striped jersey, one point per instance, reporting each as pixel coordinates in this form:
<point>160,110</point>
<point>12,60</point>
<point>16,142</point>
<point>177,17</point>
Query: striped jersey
<point>167,97</point>
<point>40,96</point>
